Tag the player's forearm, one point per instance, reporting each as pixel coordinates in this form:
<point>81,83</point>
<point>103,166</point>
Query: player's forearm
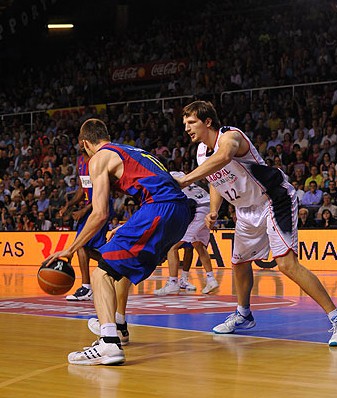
<point>77,198</point>
<point>215,200</point>
<point>91,227</point>
<point>210,166</point>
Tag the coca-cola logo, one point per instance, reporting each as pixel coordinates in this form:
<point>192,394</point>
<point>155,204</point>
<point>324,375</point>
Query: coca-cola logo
<point>169,68</point>
<point>125,73</point>
<point>148,71</point>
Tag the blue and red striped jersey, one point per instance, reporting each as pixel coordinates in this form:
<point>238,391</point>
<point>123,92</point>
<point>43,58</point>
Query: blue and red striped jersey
<point>144,177</point>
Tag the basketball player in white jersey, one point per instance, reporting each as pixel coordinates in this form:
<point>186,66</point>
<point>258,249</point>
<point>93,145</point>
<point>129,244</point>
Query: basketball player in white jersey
<point>198,235</point>
<point>266,209</point>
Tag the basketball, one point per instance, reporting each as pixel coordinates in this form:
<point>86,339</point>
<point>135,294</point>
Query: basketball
<point>57,278</point>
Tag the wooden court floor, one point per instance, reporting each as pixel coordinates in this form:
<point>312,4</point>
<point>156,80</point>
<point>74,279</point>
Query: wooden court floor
<point>160,361</point>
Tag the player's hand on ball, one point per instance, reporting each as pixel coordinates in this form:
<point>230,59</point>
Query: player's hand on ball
<point>61,254</point>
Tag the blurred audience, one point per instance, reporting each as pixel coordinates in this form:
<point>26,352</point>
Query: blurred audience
<point>294,130</point>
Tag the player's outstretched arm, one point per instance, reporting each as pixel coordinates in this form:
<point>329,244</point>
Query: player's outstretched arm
<point>229,145</point>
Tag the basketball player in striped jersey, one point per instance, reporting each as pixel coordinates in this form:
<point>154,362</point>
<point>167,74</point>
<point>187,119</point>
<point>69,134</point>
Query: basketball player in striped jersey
<point>266,209</point>
<point>137,246</point>
<point>89,250</point>
<point>84,293</point>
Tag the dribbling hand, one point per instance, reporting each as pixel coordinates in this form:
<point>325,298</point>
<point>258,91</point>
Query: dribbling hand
<point>61,254</point>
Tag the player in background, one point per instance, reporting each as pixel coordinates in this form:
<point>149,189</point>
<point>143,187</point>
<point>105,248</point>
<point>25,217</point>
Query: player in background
<point>198,235</point>
<point>266,210</point>
<point>84,293</point>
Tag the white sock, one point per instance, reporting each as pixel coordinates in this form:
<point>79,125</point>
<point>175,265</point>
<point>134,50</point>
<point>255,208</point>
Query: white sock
<point>120,318</point>
<point>184,274</point>
<point>333,315</point>
<point>108,330</point>
<point>173,279</point>
<point>244,311</point>
<point>210,275</point>
<point>87,285</point>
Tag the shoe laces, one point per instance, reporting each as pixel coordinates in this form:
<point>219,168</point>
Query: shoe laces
<point>169,284</point>
<point>333,330</point>
<point>81,291</point>
<point>163,289</point>
<point>233,318</point>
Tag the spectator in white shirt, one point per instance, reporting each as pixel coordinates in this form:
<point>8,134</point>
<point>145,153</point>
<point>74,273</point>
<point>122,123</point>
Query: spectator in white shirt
<point>299,192</point>
<point>42,223</point>
<point>302,141</point>
<point>327,205</point>
<point>329,135</point>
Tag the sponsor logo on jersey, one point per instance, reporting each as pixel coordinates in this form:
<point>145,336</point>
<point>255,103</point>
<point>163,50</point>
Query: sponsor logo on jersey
<point>86,182</point>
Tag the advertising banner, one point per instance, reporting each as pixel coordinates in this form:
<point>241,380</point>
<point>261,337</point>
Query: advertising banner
<point>316,248</point>
<point>80,110</point>
<point>150,71</point>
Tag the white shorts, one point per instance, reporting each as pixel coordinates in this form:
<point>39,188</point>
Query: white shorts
<point>271,226</point>
<point>197,230</point>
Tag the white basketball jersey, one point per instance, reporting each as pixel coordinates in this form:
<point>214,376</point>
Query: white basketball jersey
<point>193,191</point>
<point>197,230</point>
<point>246,180</point>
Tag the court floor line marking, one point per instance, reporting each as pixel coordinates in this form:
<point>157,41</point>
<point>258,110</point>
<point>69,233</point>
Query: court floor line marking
<point>171,328</point>
<point>30,374</point>
<point>229,335</point>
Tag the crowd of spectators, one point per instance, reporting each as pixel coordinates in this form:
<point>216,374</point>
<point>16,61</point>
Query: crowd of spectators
<point>295,132</point>
<point>232,44</point>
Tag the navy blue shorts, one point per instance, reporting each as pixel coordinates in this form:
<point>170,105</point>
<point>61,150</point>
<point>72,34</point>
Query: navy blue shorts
<point>144,240</point>
<point>97,240</point>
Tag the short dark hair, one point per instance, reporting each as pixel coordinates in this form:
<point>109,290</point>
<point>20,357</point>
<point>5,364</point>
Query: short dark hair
<point>94,131</point>
<point>203,110</point>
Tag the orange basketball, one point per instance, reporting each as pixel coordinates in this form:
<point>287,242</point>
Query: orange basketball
<point>57,278</point>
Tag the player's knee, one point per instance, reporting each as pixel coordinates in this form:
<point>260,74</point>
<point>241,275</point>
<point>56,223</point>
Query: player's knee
<point>287,264</point>
<point>284,268</point>
<point>97,275</point>
<point>198,245</point>
<point>287,268</point>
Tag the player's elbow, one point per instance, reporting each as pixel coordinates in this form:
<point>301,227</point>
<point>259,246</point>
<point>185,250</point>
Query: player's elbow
<point>101,217</point>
